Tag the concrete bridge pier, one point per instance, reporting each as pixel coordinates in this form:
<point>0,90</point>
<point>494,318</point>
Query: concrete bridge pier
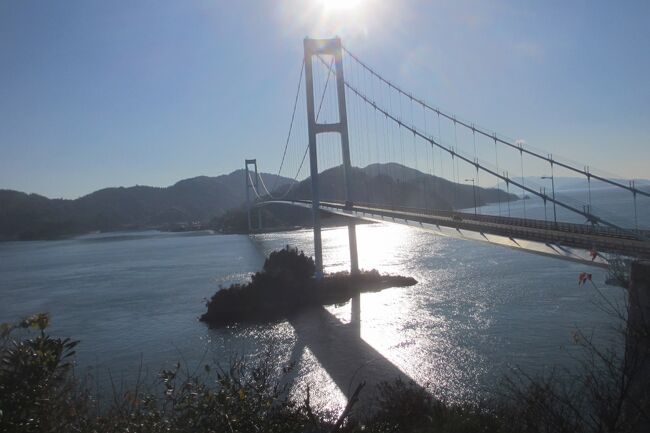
<point>352,238</point>
<point>355,304</point>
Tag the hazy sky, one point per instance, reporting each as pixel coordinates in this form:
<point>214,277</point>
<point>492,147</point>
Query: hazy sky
<point>98,93</point>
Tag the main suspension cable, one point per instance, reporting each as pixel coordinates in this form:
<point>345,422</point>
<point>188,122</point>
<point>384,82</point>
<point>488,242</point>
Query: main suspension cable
<point>493,135</point>
<point>295,178</point>
<point>293,116</point>
<point>591,217</point>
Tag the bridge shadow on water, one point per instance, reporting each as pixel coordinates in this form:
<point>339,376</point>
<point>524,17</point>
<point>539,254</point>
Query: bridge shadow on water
<point>342,353</point>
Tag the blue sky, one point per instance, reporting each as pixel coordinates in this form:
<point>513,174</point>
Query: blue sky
<point>96,94</point>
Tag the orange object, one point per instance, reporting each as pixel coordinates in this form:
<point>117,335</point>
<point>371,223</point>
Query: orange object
<point>583,278</point>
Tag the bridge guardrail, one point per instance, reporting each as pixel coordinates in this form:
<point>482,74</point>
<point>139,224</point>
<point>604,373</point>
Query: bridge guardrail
<point>514,221</point>
<point>573,235</point>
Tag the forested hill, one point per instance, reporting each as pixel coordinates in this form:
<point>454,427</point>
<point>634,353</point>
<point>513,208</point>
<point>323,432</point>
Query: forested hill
<point>31,216</point>
<point>402,186</point>
<point>387,184</point>
<point>200,199</point>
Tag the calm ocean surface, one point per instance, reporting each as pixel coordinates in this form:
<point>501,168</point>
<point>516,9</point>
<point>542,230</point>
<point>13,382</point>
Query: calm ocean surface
<point>477,311</point>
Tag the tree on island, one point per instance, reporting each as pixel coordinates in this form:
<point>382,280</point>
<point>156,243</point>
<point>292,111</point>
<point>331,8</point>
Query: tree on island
<point>286,284</point>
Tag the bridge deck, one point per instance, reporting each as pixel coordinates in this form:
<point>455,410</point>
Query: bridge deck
<point>580,236</point>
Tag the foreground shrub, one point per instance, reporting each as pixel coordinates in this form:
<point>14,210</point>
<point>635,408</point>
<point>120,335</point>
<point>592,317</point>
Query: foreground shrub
<point>406,407</point>
<point>38,393</point>
<point>35,391</point>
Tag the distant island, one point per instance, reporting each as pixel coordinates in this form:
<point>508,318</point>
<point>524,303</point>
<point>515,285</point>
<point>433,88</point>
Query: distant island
<point>286,285</point>
<point>215,202</point>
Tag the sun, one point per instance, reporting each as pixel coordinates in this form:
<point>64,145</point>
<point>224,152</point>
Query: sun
<point>348,19</point>
<point>341,5</point>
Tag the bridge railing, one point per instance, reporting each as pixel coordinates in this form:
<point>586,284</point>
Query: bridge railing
<point>602,239</point>
<point>585,229</point>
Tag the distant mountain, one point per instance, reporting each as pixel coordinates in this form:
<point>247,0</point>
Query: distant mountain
<point>387,184</point>
<point>31,216</point>
<point>200,199</point>
<point>577,183</point>
<point>399,185</point>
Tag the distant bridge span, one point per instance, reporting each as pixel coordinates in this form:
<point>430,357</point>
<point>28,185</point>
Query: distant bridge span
<point>562,240</point>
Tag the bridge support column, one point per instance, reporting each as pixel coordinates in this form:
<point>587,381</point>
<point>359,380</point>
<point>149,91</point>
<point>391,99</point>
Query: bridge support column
<point>250,184</point>
<point>313,157</point>
<point>345,150</point>
<point>328,47</point>
<point>259,209</point>
<point>352,239</point>
<point>638,339</point>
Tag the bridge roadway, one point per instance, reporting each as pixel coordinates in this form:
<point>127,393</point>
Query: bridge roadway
<point>564,240</point>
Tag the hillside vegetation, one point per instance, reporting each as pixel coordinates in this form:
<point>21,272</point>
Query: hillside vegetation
<point>201,199</point>
<point>400,186</point>
<point>39,392</point>
<point>31,216</point>
<point>378,184</point>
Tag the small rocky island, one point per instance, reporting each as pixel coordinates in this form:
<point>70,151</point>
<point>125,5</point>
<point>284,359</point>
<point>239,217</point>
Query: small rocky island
<point>286,284</point>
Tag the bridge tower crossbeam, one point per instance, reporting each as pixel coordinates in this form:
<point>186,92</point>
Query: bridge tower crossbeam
<point>328,47</point>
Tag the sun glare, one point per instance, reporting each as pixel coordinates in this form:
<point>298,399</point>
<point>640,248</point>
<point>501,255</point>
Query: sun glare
<point>349,19</point>
<point>341,5</point>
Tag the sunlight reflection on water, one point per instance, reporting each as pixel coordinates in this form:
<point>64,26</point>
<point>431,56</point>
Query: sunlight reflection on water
<point>451,330</point>
<point>476,312</point>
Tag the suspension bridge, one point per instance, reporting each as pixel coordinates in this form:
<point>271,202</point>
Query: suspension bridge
<point>379,153</point>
